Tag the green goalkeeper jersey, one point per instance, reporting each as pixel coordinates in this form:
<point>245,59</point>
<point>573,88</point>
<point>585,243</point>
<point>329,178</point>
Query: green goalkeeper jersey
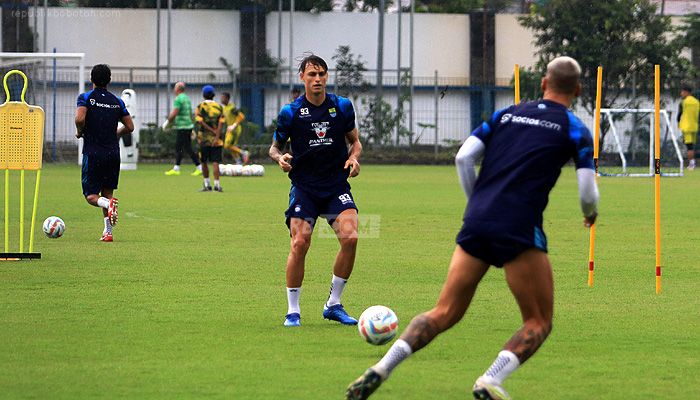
<point>183,119</point>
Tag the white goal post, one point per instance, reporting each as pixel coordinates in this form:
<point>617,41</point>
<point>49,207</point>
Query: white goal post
<point>622,143</point>
<point>20,58</point>
<point>55,81</point>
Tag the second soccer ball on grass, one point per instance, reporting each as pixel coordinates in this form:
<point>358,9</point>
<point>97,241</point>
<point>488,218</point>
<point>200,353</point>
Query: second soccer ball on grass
<point>378,325</point>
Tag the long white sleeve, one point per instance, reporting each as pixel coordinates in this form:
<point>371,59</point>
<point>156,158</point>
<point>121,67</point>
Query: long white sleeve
<point>588,191</point>
<point>472,150</point>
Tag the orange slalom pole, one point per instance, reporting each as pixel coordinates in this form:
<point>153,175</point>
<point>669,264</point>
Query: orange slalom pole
<point>596,136</point>
<point>516,79</point>
<point>657,173</point>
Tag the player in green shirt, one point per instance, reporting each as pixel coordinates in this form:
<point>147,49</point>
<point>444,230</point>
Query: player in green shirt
<point>180,118</point>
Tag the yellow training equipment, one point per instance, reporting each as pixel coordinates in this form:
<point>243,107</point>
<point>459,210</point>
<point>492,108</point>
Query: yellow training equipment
<point>21,147</point>
<point>21,131</point>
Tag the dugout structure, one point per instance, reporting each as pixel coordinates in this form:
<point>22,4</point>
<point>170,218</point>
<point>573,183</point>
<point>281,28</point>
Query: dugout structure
<point>21,143</point>
<point>628,149</point>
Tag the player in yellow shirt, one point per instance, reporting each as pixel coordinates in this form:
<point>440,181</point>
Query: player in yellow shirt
<point>688,114</point>
<point>233,117</point>
<point>209,120</point>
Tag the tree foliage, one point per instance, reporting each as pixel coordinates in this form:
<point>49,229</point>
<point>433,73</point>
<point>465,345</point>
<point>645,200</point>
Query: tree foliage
<point>349,80</point>
<point>379,123</point>
<point>268,5</point>
<point>365,5</point>
<point>426,6</point>
<point>461,6</point>
<point>626,37</point>
<point>691,40</point>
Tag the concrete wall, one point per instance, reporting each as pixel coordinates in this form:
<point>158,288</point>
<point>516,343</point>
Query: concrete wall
<point>441,40</point>
<point>513,46</point>
<point>123,37</point>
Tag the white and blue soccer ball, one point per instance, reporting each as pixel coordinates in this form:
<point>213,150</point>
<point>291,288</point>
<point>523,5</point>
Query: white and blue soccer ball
<point>54,227</point>
<point>378,325</point>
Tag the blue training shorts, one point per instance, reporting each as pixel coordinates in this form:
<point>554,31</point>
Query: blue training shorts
<point>100,172</point>
<point>308,206</point>
<point>500,250</point>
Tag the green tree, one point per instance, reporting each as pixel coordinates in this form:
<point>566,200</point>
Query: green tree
<point>350,69</point>
<point>691,40</point>
<point>350,82</point>
<point>461,6</point>
<point>626,37</point>
<point>365,5</point>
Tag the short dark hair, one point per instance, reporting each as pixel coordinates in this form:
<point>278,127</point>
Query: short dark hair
<point>313,60</point>
<point>687,88</point>
<point>227,94</point>
<point>101,75</point>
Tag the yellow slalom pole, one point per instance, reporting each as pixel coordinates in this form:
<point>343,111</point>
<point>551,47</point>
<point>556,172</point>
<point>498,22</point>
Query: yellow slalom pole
<point>7,211</point>
<point>596,136</point>
<point>516,78</point>
<point>21,211</point>
<point>34,207</point>
<point>657,173</point>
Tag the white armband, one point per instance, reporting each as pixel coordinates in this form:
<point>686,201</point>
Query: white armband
<point>588,191</point>
<point>472,150</point>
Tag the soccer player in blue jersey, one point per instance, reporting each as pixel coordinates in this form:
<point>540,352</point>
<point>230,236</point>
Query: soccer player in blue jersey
<point>96,120</point>
<point>524,148</point>
<point>325,148</point>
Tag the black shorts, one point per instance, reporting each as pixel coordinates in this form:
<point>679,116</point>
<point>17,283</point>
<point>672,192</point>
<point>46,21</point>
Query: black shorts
<point>307,206</point>
<point>100,172</point>
<point>498,251</point>
<point>210,153</point>
<point>690,146</point>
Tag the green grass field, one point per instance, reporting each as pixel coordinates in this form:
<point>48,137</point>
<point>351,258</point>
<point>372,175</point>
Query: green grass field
<point>189,300</point>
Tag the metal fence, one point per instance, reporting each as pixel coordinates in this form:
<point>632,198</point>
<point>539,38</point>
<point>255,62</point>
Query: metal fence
<point>54,87</point>
<point>438,116</point>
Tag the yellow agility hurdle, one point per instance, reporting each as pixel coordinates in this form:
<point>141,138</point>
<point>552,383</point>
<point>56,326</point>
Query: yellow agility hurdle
<point>21,148</point>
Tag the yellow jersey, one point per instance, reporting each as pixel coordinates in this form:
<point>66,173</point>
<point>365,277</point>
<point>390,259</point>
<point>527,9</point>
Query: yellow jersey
<point>689,116</point>
<point>232,115</point>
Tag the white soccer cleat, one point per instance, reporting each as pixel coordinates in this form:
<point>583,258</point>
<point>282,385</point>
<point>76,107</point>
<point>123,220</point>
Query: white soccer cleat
<point>485,390</point>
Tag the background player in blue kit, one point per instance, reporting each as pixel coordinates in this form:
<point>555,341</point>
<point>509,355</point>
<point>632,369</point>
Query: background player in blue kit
<point>319,126</point>
<point>96,120</point>
<point>524,148</point>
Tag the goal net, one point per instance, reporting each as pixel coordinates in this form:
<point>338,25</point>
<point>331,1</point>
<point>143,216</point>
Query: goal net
<point>627,144</point>
<point>54,82</point>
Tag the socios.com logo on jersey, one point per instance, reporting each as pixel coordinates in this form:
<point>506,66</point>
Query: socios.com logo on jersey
<point>505,118</point>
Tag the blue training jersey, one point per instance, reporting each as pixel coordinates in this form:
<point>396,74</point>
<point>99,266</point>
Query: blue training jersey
<point>104,111</point>
<point>317,136</point>
<point>526,146</point>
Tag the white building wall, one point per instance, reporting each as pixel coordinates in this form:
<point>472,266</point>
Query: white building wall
<point>513,46</point>
<point>124,37</point>
<point>441,40</point>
